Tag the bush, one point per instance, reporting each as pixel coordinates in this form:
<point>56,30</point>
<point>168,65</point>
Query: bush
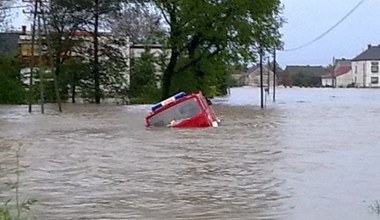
<point>11,89</point>
<point>143,86</point>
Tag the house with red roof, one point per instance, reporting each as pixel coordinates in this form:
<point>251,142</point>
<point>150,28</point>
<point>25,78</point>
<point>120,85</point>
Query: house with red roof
<point>365,68</point>
<point>362,72</point>
<point>341,75</point>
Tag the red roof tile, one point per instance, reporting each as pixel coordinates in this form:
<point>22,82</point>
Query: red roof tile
<point>342,70</point>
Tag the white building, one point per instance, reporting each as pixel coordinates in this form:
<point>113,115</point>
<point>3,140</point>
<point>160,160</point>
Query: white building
<point>365,68</point>
<point>342,75</point>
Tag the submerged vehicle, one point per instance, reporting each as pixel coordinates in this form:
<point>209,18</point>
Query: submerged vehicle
<point>183,111</point>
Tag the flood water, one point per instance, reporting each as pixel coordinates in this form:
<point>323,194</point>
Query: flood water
<point>314,154</point>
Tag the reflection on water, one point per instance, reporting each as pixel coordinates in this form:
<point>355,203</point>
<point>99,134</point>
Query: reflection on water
<point>311,155</point>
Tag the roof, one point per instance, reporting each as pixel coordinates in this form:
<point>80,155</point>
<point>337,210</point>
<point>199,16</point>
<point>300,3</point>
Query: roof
<point>248,71</point>
<point>342,70</point>
<point>312,70</point>
<point>256,70</point>
<point>372,53</point>
<point>8,43</point>
<point>342,62</point>
<point>339,71</point>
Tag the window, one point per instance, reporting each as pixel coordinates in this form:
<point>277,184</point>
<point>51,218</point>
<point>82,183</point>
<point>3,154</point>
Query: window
<point>374,67</point>
<point>178,112</point>
<point>374,80</point>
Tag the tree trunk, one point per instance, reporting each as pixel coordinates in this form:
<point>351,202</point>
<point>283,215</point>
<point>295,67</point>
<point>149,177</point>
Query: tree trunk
<point>57,71</point>
<point>96,54</point>
<point>30,101</point>
<point>57,66</point>
<point>168,74</point>
<point>56,86</point>
<point>73,87</point>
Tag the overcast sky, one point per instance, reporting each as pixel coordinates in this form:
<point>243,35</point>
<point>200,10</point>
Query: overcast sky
<point>308,19</point>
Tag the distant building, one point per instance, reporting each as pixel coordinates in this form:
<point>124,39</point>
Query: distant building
<point>127,50</point>
<point>340,76</point>
<point>251,77</point>
<point>365,68</point>
<point>343,76</point>
<point>9,43</point>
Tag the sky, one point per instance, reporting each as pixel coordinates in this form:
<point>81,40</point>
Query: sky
<point>306,20</point>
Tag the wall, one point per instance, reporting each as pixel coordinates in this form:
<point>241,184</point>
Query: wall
<point>345,79</point>
<point>362,74</point>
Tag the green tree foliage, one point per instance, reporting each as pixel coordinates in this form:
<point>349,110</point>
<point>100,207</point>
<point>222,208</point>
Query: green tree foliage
<point>301,79</point>
<point>143,86</point>
<point>306,80</point>
<point>141,23</point>
<point>73,73</point>
<point>98,15</point>
<point>231,30</point>
<point>11,89</point>
<point>74,30</point>
<point>209,75</point>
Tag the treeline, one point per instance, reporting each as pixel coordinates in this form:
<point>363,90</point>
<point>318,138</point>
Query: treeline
<point>198,52</point>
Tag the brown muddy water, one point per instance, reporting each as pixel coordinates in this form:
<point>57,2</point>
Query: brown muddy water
<point>314,154</point>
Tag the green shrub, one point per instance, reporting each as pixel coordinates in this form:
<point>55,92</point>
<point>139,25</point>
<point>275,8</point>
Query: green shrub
<point>11,89</point>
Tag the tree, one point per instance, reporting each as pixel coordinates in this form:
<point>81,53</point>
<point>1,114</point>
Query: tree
<point>11,89</point>
<point>74,30</point>
<point>143,86</point>
<point>99,13</point>
<point>73,72</point>
<point>232,30</point>
<point>5,8</point>
<point>140,22</point>
<point>60,26</point>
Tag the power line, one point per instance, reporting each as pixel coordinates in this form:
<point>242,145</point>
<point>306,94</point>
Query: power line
<point>328,30</point>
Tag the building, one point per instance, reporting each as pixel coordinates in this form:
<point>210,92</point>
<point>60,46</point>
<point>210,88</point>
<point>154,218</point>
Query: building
<point>343,77</point>
<point>81,52</point>
<point>9,43</point>
<point>365,68</point>
<point>340,76</point>
<point>251,77</point>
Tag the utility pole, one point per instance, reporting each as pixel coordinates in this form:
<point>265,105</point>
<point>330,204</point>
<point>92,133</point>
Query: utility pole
<point>42,32</point>
<point>36,12</point>
<point>274,75</point>
<point>41,70</point>
<point>333,74</point>
<point>268,75</point>
<point>51,62</point>
<point>96,53</point>
<point>261,78</point>
<point>32,59</point>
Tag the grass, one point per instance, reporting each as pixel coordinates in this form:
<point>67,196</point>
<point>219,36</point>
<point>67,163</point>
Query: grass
<point>13,208</point>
